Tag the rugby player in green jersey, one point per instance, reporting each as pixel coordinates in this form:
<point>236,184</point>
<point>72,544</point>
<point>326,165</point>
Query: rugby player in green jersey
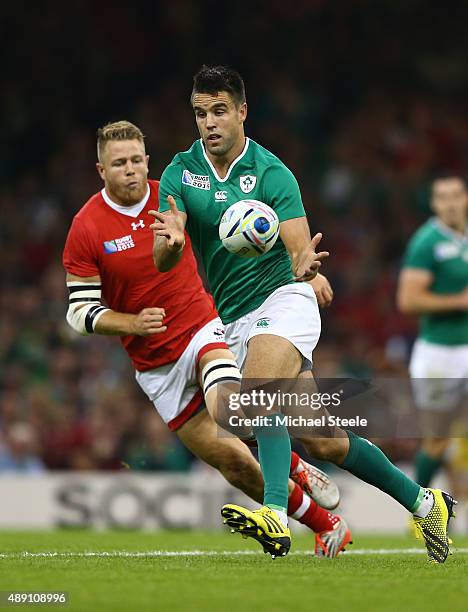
<point>266,303</point>
<point>434,285</point>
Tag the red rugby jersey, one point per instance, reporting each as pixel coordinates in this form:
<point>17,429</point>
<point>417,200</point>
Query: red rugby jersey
<point>119,248</point>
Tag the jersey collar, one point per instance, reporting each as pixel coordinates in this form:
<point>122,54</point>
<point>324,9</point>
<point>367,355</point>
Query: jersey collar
<point>449,232</point>
<point>130,211</point>
<point>217,177</point>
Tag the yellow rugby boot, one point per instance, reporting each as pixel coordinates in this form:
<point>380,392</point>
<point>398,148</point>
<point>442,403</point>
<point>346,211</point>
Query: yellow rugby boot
<point>262,525</point>
<point>434,527</point>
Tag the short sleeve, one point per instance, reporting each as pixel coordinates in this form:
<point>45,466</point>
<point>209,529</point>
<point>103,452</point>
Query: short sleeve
<point>282,193</point>
<point>171,185</point>
<point>419,254</point>
<point>79,256</point>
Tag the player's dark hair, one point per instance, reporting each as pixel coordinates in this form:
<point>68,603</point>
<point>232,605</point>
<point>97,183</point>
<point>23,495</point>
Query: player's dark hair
<point>444,175</point>
<point>213,79</point>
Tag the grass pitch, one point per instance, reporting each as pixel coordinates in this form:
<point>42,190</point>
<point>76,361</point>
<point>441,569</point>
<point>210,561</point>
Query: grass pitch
<point>135,571</point>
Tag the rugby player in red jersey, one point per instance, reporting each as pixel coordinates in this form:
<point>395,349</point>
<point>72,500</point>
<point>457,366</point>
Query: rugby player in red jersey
<point>169,326</point>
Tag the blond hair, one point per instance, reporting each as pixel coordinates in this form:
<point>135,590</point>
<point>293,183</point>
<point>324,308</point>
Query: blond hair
<point>119,130</point>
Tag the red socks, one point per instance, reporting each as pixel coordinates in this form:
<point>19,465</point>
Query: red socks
<point>302,508</point>
<point>294,462</point>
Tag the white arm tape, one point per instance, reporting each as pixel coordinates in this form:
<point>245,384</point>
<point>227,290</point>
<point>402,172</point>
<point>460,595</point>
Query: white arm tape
<point>85,306</point>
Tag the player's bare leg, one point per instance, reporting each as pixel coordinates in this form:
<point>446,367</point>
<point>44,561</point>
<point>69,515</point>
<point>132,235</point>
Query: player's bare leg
<point>274,357</point>
<point>220,378</point>
<point>268,357</point>
<point>227,454</point>
<point>316,483</point>
<point>234,460</point>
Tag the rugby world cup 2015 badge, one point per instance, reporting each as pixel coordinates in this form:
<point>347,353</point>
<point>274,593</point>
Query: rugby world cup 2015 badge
<point>446,250</point>
<point>247,183</point>
<point>119,244</point>
<point>195,180</point>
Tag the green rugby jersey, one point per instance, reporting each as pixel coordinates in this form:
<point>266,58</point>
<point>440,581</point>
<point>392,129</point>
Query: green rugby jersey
<point>435,247</point>
<point>238,285</point>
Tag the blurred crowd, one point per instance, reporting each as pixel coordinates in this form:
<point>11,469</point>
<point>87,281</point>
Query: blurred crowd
<point>363,122</point>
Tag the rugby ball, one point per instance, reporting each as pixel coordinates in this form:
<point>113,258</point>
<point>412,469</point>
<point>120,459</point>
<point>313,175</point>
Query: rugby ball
<point>249,228</point>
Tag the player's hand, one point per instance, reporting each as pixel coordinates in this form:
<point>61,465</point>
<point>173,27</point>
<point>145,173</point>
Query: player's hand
<point>171,225</point>
<point>309,262</point>
<point>149,321</point>
<point>323,290</point>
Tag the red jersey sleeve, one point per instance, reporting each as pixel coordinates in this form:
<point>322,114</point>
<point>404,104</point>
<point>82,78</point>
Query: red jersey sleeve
<point>79,255</point>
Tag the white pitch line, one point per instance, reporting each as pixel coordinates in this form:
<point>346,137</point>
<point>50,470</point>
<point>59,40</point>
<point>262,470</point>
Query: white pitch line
<point>209,553</point>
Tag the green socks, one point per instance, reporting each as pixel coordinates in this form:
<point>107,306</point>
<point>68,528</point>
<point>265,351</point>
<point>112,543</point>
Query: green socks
<point>426,467</point>
<point>274,454</point>
<point>368,463</point>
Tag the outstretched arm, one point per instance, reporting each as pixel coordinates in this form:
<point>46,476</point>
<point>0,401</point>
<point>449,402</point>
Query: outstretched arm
<point>169,237</point>
<point>305,262</point>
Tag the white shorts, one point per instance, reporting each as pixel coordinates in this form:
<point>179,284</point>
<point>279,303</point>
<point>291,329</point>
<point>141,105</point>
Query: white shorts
<point>439,375</point>
<point>290,312</point>
<point>173,388</point>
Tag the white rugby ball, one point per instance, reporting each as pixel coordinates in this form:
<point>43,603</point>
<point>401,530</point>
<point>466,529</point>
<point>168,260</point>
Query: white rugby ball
<point>249,228</point>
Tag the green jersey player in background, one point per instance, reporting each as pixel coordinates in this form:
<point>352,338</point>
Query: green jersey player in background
<point>266,303</point>
<point>434,285</point>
